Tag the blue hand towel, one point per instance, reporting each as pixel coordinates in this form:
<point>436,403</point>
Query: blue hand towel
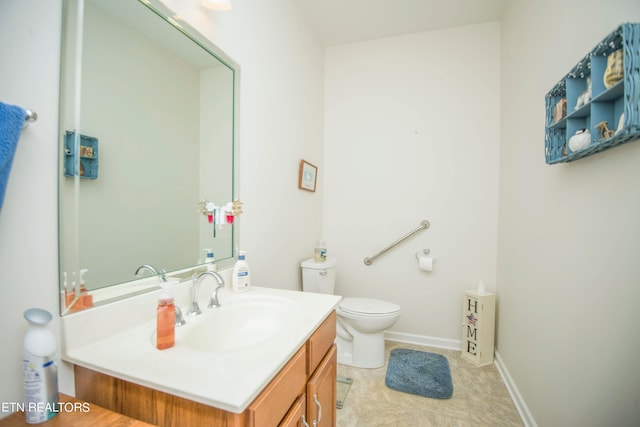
<point>11,120</point>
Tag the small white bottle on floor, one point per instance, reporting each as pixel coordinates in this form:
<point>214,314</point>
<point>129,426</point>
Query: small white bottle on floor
<point>241,279</point>
<point>39,368</point>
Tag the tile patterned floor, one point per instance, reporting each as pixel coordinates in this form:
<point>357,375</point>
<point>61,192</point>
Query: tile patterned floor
<point>480,398</point>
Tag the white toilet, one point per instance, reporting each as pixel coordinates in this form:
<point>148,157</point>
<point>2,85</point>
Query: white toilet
<point>361,321</point>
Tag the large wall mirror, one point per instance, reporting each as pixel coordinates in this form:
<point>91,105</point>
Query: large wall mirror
<point>148,123</point>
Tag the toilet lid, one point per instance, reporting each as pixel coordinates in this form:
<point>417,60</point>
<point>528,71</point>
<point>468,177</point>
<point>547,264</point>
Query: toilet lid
<point>368,306</point>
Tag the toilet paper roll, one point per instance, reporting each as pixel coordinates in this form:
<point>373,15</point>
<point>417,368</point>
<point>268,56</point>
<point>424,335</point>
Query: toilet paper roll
<point>426,263</point>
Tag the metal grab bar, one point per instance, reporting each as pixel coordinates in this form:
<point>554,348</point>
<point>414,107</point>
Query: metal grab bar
<point>423,226</point>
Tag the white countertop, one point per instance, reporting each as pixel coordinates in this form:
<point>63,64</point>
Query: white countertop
<point>117,339</point>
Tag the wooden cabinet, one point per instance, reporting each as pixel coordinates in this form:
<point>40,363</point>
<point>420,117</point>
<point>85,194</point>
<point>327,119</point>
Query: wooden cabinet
<point>322,366</point>
<point>478,326</point>
<point>304,391</point>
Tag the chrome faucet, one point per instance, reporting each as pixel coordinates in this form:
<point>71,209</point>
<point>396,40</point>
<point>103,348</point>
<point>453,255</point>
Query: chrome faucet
<point>213,302</point>
<point>162,276</point>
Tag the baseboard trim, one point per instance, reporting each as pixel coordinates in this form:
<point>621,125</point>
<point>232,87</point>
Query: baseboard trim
<point>423,340</point>
<point>521,406</point>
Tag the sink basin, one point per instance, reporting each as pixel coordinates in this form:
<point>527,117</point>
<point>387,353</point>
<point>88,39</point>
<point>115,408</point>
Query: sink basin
<point>245,322</point>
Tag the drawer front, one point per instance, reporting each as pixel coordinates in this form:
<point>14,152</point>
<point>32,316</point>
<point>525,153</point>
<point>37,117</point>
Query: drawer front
<point>297,414</point>
<point>271,406</point>
<point>320,342</point>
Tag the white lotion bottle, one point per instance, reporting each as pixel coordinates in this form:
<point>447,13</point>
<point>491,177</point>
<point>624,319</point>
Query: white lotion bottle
<point>241,279</point>
<point>40,371</point>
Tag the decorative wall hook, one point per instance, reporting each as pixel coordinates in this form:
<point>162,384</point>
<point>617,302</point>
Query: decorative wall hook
<point>207,209</point>
<point>236,207</point>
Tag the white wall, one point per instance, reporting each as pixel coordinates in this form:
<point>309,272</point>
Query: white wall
<point>30,51</point>
<point>568,271</point>
<point>412,133</point>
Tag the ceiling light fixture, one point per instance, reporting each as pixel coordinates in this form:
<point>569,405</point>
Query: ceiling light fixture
<point>217,4</point>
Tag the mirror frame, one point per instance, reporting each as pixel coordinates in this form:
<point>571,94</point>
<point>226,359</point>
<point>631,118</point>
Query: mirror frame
<point>68,219</point>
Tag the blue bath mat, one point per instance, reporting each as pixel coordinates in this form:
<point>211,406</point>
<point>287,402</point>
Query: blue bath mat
<point>418,372</point>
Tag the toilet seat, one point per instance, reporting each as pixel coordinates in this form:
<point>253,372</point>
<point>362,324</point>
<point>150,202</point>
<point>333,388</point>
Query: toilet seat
<point>368,307</point>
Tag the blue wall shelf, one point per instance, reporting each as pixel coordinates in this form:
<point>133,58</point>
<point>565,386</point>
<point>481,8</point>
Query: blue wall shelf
<point>80,155</point>
<point>618,104</point>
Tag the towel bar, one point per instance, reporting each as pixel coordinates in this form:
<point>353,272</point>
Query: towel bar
<point>31,117</point>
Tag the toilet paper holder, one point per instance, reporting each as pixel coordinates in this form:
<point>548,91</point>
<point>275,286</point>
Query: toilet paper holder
<point>423,252</point>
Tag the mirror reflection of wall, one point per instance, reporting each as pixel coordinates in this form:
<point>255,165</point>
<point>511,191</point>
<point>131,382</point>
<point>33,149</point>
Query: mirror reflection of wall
<point>161,108</point>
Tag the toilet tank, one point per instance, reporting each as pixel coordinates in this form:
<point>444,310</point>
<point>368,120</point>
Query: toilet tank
<point>319,277</point>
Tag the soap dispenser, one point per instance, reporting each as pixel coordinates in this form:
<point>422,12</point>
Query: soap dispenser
<point>165,319</point>
<point>86,300</point>
<point>209,260</point>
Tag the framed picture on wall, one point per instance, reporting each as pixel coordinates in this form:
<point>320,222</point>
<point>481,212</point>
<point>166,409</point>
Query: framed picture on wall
<point>307,176</point>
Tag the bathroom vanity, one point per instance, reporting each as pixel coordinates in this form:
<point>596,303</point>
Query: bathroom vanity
<point>277,381</point>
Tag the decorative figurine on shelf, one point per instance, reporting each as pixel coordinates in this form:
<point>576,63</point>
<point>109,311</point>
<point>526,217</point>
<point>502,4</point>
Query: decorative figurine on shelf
<point>585,96</point>
<point>580,140</point>
<point>620,124</point>
<point>560,110</point>
<point>615,68</point>
<point>605,132</point>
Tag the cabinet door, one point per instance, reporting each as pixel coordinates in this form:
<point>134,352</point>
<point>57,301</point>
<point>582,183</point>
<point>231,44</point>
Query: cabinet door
<point>320,342</point>
<point>297,415</point>
<point>273,404</point>
<point>321,392</point>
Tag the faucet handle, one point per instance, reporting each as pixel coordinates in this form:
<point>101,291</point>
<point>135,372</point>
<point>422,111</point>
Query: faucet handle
<point>194,310</point>
<point>213,301</point>
<point>179,317</point>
